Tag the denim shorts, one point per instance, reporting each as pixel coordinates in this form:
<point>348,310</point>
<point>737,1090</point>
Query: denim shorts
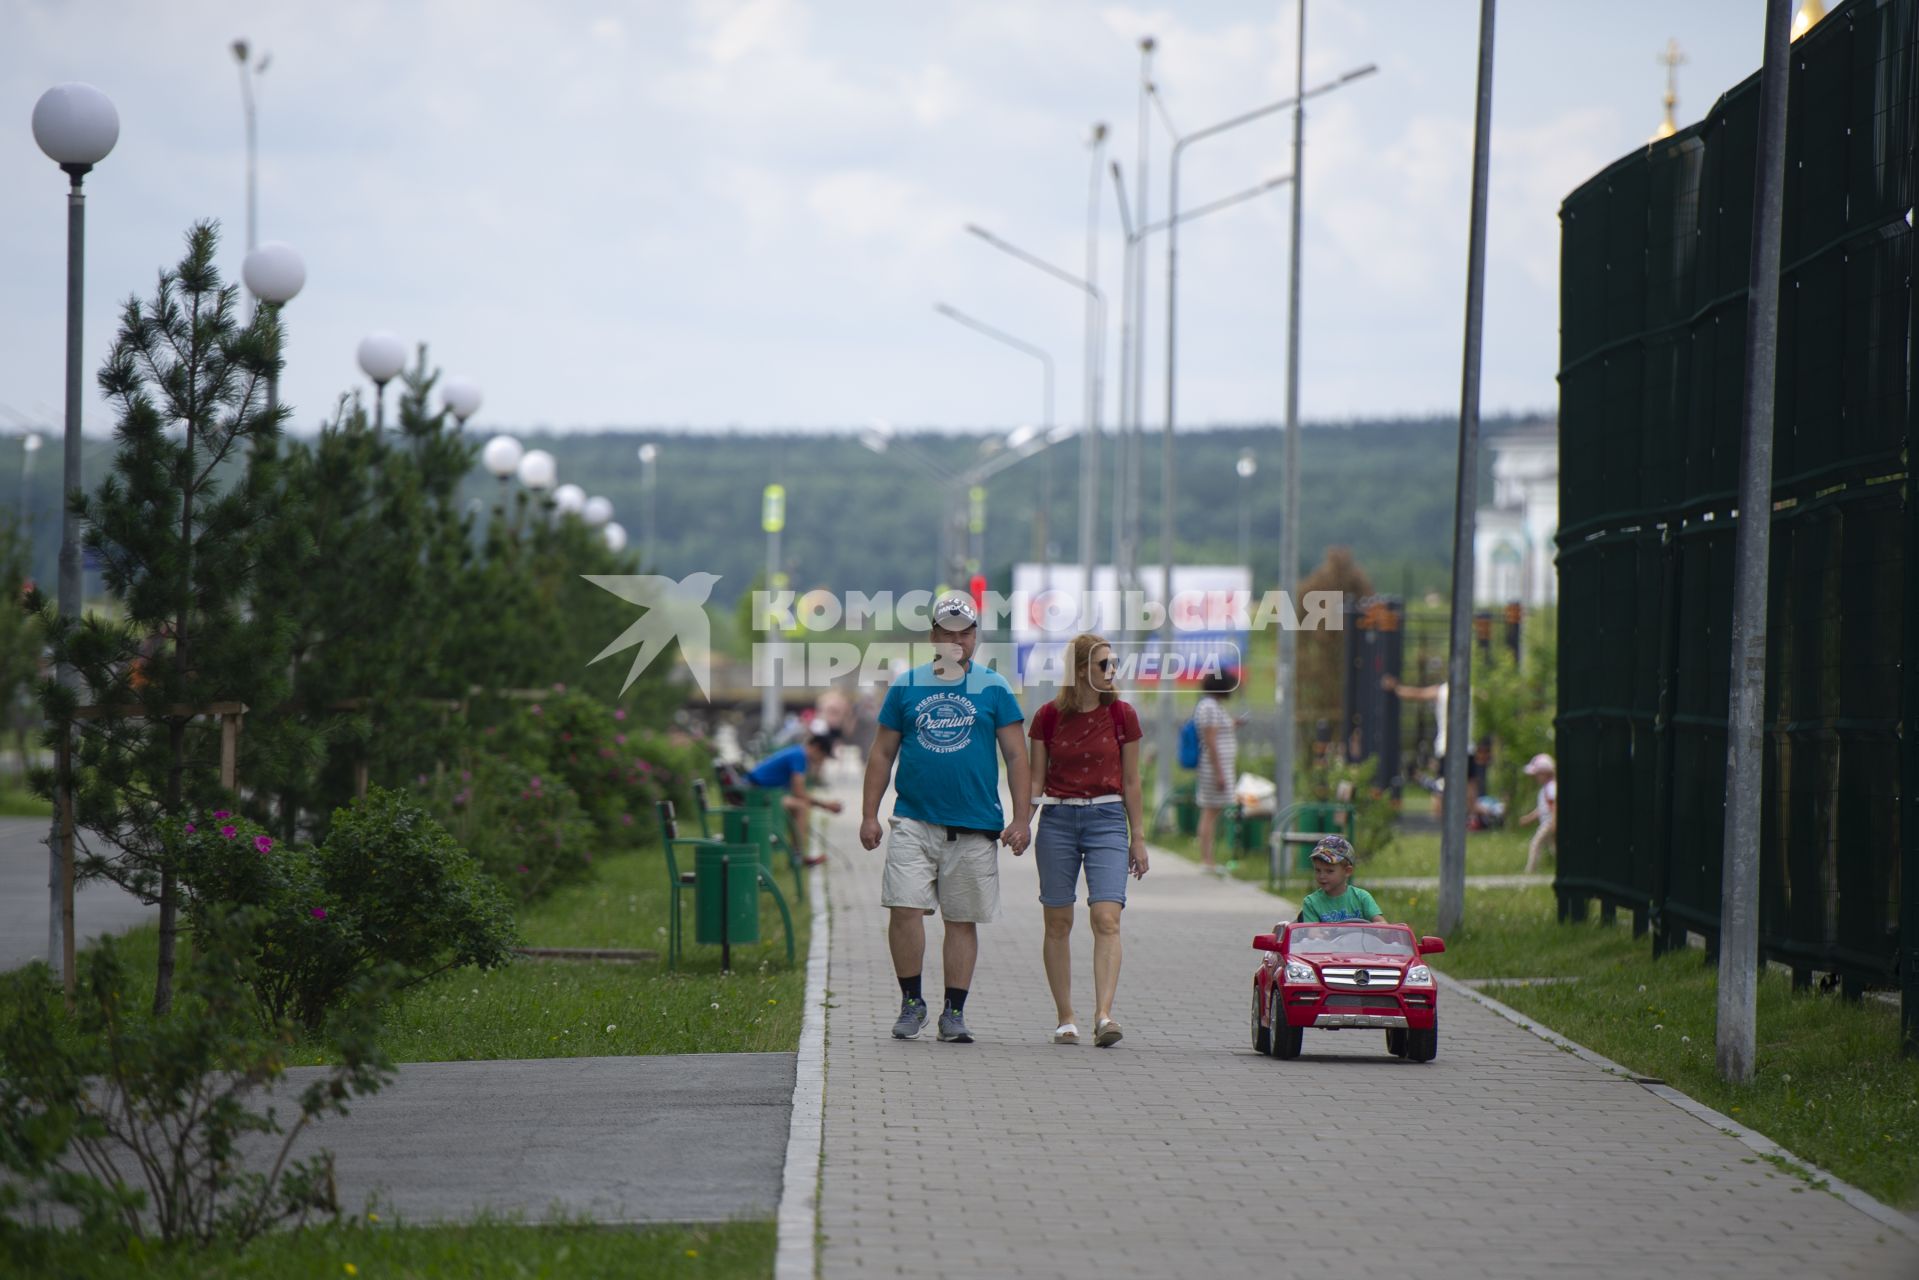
<point>1071,835</point>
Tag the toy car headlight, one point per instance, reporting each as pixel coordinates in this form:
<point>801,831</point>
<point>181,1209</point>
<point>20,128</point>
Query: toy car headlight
<point>1419,976</point>
<point>1300,971</point>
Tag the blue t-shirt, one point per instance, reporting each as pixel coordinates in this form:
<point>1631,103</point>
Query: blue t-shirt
<point>778,769</point>
<point>948,769</point>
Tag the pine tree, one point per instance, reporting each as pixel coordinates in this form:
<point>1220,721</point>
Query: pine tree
<point>19,630</point>
<point>182,524</point>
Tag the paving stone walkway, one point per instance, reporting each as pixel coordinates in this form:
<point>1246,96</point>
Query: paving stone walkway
<point>1181,1153</point>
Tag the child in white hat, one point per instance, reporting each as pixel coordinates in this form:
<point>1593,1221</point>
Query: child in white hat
<point>1547,813</point>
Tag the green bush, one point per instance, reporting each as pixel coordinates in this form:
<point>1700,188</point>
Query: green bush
<point>618,769</point>
<point>136,1123</point>
<point>525,828</point>
<point>390,889</point>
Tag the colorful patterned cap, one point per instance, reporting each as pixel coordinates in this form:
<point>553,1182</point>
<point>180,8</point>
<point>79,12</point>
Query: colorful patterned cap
<point>1334,849</point>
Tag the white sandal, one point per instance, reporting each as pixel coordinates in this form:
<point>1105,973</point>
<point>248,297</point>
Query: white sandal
<point>1107,1033</point>
<point>1066,1033</point>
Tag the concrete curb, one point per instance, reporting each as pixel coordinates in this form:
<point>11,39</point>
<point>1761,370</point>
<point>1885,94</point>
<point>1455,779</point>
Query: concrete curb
<point>800,1185</point>
<point>1878,1210</point>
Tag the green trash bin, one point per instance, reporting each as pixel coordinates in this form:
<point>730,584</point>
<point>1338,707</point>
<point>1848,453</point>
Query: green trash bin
<point>737,904</point>
<point>1255,832</point>
<point>751,826</point>
<point>1186,809</point>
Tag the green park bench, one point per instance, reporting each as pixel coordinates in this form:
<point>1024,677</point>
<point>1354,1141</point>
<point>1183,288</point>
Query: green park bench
<point>727,879</point>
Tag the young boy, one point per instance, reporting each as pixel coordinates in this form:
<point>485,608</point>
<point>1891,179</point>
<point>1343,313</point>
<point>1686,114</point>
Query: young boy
<point>1337,898</point>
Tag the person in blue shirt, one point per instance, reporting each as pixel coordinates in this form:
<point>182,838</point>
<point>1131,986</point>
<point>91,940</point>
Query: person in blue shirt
<point>947,724</point>
<point>786,770</point>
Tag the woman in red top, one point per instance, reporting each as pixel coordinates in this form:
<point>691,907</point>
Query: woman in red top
<point>1085,769</point>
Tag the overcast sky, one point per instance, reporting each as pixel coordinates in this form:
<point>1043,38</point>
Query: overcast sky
<point>742,211</point>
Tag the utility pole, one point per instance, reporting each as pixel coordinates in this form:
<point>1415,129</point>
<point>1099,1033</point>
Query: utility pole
<point>1283,699</point>
<point>1459,675</point>
<point>1745,728</point>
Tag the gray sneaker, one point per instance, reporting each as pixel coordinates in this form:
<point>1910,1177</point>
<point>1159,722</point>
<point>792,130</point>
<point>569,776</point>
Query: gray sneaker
<point>912,1018</point>
<point>953,1028</point>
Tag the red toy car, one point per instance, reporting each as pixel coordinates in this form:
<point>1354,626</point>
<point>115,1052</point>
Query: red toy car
<point>1351,974</point>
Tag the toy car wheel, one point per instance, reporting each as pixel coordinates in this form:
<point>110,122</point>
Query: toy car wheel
<point>1287,1039</point>
<point>1423,1046</point>
<point>1396,1042</point>
<point>1262,1038</point>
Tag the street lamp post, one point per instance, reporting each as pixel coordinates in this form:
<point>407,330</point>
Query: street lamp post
<point>1043,512</point>
<point>649,471</point>
<point>1168,478</point>
<point>772,521</point>
<point>1089,447</point>
<point>29,445</point>
<point>538,473</point>
<point>241,52</point>
<point>1246,468</point>
<point>274,274</point>
<point>382,356</point>
<point>76,126</point>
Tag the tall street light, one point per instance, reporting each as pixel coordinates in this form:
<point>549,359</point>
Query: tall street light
<point>1246,468</point>
<point>1132,429</point>
<point>29,445</point>
<point>649,472</point>
<point>274,274</point>
<point>241,52</point>
<point>772,522</point>
<point>76,125</point>
<point>1168,480</point>
<point>1046,419</point>
<point>382,356</point>
<point>1089,446</point>
<point>615,536</point>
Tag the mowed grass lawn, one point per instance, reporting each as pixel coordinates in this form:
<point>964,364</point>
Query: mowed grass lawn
<point>486,1250</point>
<point>1830,1086</point>
<point>563,1008</point>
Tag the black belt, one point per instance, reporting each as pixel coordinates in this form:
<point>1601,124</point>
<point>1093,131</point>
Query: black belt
<point>954,833</point>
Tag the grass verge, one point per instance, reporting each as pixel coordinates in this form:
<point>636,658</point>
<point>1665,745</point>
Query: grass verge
<point>1830,1084</point>
<point>18,802</point>
<point>1488,853</point>
<point>491,1249</point>
<point>567,1009</point>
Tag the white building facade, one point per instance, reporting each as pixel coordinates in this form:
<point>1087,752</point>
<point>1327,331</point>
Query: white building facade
<point>1513,537</point>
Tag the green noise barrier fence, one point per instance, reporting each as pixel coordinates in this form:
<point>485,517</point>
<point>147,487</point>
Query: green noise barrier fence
<point>1653,326</point>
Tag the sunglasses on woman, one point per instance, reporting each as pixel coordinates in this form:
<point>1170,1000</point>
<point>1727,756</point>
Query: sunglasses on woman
<point>1107,664</point>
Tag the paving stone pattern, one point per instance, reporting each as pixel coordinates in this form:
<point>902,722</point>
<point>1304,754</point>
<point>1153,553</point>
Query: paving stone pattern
<point>1181,1153</point>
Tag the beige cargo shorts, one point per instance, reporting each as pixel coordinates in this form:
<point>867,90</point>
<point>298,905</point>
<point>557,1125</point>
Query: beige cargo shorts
<point>959,877</point>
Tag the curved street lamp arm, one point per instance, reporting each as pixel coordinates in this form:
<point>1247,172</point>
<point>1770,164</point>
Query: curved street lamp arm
<point>1018,344</point>
<point>1357,73</point>
<point>1224,202</point>
<point>1032,260</point>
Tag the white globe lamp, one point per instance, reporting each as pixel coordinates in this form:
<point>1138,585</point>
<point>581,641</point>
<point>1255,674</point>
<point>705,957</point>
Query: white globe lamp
<point>76,125</point>
<point>461,396</point>
<point>274,273</point>
<point>502,457</point>
<point>569,498</point>
<point>538,470</point>
<point>597,512</point>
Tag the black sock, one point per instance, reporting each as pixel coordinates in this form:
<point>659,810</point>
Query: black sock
<point>956,999</point>
<point>910,988</point>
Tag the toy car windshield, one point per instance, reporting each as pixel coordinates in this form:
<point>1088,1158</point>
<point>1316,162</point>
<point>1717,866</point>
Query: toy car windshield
<point>1332,939</point>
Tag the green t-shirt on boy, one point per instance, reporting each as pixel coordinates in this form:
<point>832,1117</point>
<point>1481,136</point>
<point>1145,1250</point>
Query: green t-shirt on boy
<point>1353,904</point>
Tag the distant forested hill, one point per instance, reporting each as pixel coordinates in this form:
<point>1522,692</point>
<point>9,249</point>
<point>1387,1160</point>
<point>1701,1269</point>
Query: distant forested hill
<point>866,521</point>
<point>860,520</point>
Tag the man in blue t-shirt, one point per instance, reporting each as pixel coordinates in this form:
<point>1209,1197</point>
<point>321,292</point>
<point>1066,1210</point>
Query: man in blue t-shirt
<point>786,770</point>
<point>944,722</point>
